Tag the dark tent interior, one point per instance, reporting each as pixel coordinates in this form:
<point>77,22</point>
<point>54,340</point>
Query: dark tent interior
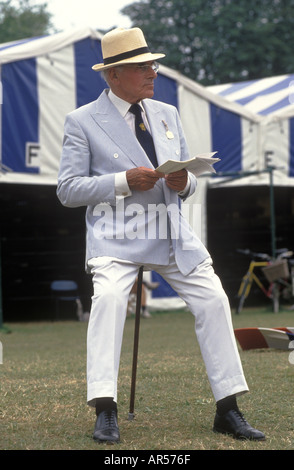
<point>41,241</point>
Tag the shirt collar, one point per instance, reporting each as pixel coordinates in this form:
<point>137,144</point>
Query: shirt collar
<point>122,105</point>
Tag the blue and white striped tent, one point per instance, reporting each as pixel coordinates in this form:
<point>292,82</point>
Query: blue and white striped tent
<point>45,78</point>
<point>42,79</point>
<point>271,98</point>
<point>265,96</point>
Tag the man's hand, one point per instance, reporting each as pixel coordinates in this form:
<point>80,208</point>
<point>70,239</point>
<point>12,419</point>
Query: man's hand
<point>177,180</point>
<point>142,179</point>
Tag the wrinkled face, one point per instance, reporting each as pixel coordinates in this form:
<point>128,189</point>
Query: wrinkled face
<point>133,82</point>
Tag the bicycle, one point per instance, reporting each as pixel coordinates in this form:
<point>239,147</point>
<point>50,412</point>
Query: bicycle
<point>277,273</point>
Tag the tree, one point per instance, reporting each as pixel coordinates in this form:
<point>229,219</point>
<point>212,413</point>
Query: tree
<point>19,20</point>
<point>219,41</point>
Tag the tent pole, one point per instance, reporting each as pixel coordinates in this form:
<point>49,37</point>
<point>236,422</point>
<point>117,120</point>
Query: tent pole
<point>272,212</point>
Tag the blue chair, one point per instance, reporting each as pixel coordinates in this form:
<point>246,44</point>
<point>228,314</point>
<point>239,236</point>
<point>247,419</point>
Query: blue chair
<point>64,291</point>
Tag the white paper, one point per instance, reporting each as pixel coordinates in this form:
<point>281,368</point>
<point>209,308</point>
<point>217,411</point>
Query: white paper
<point>197,165</point>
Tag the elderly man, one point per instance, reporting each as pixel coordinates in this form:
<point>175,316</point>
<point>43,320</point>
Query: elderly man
<point>111,149</point>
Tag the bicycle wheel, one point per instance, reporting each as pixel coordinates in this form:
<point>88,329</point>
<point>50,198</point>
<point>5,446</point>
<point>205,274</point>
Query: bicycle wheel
<point>242,295</point>
<point>276,297</point>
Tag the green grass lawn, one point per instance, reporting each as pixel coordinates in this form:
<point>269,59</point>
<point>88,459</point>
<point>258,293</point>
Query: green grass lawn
<point>43,388</point>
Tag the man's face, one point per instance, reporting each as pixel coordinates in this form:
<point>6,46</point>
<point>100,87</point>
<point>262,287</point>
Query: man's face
<point>133,82</point>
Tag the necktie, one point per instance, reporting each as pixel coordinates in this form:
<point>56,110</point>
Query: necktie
<point>143,136</point>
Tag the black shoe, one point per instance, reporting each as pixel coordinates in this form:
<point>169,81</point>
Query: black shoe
<point>234,423</point>
<point>106,427</point>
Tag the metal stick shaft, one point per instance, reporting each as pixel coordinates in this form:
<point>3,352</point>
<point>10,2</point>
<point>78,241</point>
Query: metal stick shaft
<point>136,342</point>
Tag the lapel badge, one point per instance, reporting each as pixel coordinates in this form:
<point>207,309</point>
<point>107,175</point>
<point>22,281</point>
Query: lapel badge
<point>168,133</point>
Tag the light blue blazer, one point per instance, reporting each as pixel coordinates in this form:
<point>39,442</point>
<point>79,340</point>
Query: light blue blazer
<point>98,143</point>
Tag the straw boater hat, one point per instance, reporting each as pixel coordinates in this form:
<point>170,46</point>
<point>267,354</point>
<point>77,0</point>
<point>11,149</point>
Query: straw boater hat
<point>124,46</point>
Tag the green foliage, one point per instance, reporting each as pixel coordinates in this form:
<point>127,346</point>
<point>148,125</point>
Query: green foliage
<point>218,41</point>
<point>20,20</point>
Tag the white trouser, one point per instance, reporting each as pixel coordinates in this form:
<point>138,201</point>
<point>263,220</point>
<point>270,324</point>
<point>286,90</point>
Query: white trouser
<point>203,293</point>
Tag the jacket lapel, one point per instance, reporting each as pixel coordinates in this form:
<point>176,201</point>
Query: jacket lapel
<point>110,121</point>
